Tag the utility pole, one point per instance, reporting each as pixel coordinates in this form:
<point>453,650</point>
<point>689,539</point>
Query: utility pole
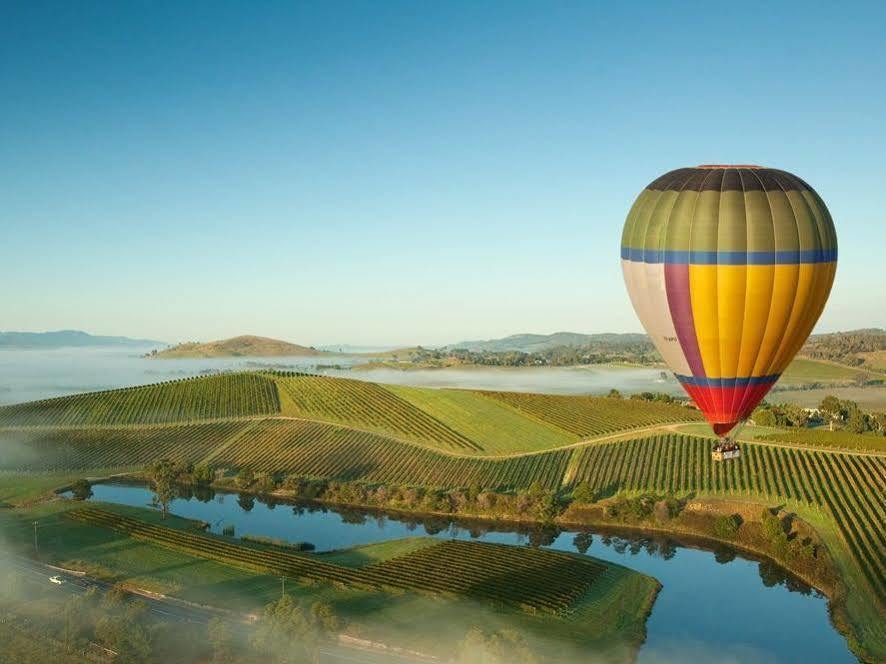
<point>35,538</point>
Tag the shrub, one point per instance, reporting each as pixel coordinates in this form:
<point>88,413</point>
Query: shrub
<point>81,489</point>
<point>726,527</point>
<point>583,493</point>
<point>245,478</point>
<point>203,474</point>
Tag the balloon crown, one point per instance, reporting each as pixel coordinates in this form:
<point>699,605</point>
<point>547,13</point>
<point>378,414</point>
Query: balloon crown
<point>729,166</point>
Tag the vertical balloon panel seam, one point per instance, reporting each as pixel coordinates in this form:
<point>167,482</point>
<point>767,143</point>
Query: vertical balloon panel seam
<point>745,403</point>
<point>716,405</point>
<point>792,321</point>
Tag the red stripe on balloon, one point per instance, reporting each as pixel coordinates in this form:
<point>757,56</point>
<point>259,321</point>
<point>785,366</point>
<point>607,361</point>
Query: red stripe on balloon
<point>717,403</point>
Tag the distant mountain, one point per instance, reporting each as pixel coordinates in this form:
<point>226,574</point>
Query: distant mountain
<point>243,346</point>
<point>67,339</point>
<point>533,343</point>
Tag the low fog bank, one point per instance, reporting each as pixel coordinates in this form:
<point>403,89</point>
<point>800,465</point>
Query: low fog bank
<point>76,621</point>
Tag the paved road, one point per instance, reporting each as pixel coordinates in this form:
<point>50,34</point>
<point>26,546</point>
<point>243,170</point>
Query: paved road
<point>77,585</point>
<point>170,609</point>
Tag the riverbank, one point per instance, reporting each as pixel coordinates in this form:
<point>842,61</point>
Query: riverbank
<point>801,554</point>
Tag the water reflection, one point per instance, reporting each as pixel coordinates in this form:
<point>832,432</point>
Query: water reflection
<point>773,616</point>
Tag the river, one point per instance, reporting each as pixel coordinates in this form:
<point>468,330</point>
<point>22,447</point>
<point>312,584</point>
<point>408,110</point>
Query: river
<point>715,605</point>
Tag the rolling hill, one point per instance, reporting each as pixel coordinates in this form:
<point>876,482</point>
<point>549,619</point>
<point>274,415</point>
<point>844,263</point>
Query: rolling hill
<point>242,346</point>
<point>322,429</point>
<point>66,339</point>
<point>533,343</point>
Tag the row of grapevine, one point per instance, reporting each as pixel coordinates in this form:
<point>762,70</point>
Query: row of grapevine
<point>328,451</point>
<point>365,405</point>
<point>212,397</point>
<point>529,578</point>
<point>594,416</point>
<point>851,487</point>
<point>110,448</point>
<point>840,439</point>
<point>539,579</point>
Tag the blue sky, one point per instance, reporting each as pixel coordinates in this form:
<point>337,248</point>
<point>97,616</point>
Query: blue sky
<point>386,173</point>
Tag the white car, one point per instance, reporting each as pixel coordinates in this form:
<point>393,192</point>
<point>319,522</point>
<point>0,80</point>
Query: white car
<point>56,579</point>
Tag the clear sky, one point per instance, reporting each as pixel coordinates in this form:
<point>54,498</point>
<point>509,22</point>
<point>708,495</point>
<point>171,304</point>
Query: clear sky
<point>387,173</point>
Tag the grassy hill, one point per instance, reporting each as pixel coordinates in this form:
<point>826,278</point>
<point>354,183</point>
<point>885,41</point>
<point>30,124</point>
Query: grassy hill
<point>461,421</point>
<point>351,431</point>
<point>804,370</point>
<point>242,346</point>
<point>533,343</point>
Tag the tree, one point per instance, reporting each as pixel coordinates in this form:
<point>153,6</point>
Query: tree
<point>120,629</point>
<point>856,420</point>
<point>582,541</point>
<point>165,474</point>
<point>832,407</point>
<point>325,621</point>
<point>504,646</point>
<point>265,483</point>
<point>203,474</point>
<point>774,532</point>
<point>583,493</point>
<point>286,632</point>
<point>245,478</point>
<point>81,489</point>
<point>764,417</point>
<point>219,635</point>
<point>614,394</point>
<point>726,527</point>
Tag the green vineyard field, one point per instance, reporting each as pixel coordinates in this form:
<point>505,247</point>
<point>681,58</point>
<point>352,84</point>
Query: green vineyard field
<point>365,405</point>
<point>62,450</point>
<point>322,450</point>
<point>850,486</point>
<point>347,430</point>
<point>839,439</point>
<point>594,416</point>
<point>495,426</point>
<point>213,397</point>
<point>531,579</point>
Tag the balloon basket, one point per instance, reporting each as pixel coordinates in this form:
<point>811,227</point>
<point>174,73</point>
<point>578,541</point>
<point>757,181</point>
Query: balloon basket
<point>725,450</point>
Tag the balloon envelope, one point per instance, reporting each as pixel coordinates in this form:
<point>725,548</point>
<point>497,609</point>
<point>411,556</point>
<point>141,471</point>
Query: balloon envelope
<point>728,269</point>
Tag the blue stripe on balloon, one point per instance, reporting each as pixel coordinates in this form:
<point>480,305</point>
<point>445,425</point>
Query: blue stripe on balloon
<point>729,257</point>
<point>701,381</point>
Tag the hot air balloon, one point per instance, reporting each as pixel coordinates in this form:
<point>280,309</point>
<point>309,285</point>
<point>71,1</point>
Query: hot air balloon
<point>728,269</point>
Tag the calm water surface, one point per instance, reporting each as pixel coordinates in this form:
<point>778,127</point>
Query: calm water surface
<point>714,606</point>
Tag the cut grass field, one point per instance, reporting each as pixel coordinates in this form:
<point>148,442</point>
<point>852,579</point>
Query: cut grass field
<point>594,416</point>
<point>804,370</point>
<point>609,617</point>
<point>869,398</point>
<point>496,427</point>
<point>17,488</point>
